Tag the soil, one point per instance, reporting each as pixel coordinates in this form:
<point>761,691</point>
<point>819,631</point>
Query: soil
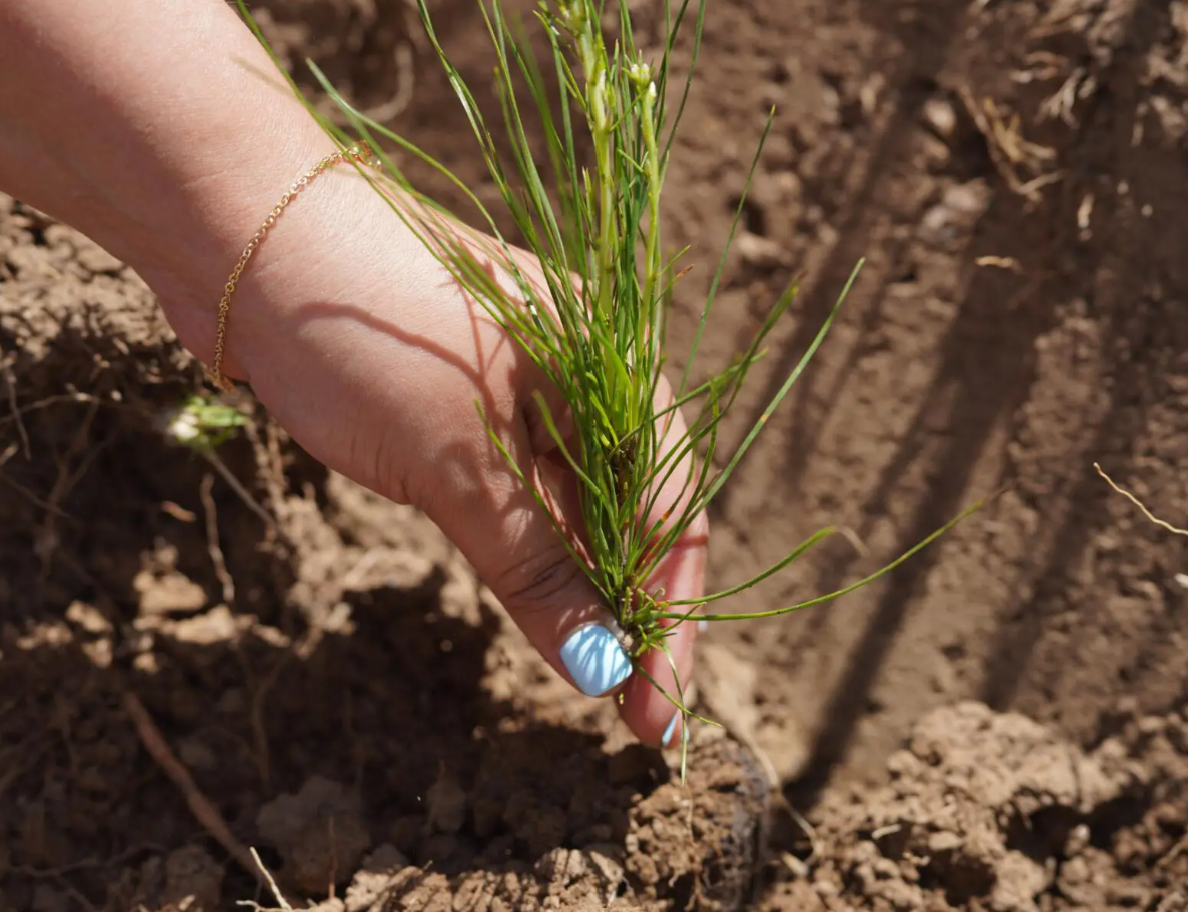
<point>1002,724</point>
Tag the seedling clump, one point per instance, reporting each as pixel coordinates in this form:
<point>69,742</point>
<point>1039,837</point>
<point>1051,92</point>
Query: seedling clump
<point>202,424</point>
<point>594,319</point>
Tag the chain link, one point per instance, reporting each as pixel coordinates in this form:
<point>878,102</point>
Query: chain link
<point>360,153</point>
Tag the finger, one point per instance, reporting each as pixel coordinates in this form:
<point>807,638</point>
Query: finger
<point>503,530</point>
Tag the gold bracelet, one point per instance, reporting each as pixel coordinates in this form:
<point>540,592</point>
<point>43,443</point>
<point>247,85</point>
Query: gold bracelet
<point>360,153</point>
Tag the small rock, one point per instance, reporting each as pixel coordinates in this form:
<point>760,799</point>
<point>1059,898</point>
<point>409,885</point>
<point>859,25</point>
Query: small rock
<point>940,117</point>
<point>280,819</point>
<point>168,593</point>
<point>385,858</point>
<point>438,848</point>
<point>1078,840</point>
<point>756,250</point>
<point>197,754</point>
<point>218,625</point>
<point>406,831</point>
<point>956,213</point>
<point>88,618</point>
<point>943,841</point>
<point>326,851</point>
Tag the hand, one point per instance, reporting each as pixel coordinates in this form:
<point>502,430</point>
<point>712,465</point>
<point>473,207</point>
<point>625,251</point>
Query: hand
<point>364,348</point>
<point>348,330</point>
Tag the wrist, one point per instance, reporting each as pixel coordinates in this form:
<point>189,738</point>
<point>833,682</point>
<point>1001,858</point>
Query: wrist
<point>168,154</point>
<point>233,209</point>
<point>357,156</point>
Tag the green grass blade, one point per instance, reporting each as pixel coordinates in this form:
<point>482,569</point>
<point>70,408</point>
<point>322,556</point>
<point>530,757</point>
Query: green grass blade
<point>712,293</point>
<point>853,587</point>
<point>812,541</point>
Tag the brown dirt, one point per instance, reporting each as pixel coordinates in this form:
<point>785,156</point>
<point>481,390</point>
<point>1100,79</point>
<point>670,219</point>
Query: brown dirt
<point>355,705</point>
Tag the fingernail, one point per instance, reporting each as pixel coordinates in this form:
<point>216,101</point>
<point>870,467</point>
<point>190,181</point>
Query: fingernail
<point>595,660</point>
<point>671,730</point>
<point>702,626</point>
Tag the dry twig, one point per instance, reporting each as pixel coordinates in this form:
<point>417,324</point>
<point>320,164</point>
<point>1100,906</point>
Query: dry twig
<point>1163,524</point>
<point>1009,150</point>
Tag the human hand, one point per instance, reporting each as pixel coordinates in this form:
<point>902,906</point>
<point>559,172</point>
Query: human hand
<point>366,350</point>
<point>348,330</point>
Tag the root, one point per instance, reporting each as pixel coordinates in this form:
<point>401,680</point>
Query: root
<point>264,872</point>
<point>47,539</point>
<point>237,486</point>
<point>259,733</point>
<point>86,864</point>
<point>200,806</point>
<point>1079,84</point>
<point>270,470</point>
<point>405,83</point>
<point>27,753</point>
<point>212,539</point>
<point>10,385</point>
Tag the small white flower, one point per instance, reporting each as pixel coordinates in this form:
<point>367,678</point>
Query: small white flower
<point>184,427</point>
<point>571,15</point>
<point>640,73</point>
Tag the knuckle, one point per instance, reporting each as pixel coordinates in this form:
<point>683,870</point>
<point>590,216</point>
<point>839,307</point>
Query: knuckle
<point>536,582</point>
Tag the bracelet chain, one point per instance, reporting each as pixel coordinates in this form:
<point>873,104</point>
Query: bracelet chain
<point>360,153</point>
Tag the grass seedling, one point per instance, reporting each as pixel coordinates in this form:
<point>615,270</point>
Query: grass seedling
<point>594,319</point>
<point>203,424</point>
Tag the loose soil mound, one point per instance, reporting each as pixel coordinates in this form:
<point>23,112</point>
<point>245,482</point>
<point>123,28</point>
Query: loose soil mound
<point>997,812</point>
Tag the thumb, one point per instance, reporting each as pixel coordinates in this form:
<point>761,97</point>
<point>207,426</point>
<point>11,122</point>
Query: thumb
<point>497,521</point>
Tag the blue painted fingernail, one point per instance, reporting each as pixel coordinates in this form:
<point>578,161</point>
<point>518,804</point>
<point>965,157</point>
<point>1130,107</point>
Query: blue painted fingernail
<point>671,730</point>
<point>595,660</point>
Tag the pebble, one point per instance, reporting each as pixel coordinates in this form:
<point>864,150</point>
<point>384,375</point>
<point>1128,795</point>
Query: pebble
<point>940,117</point>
